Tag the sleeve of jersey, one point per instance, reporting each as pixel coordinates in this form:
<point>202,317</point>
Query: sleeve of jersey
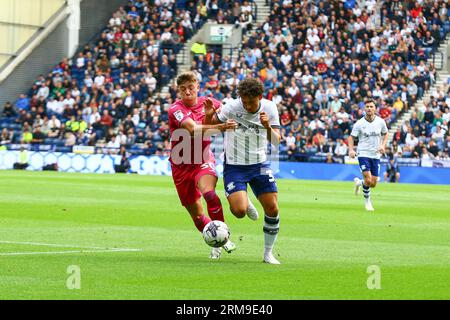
<point>274,118</point>
<point>355,130</point>
<point>223,114</point>
<point>178,116</point>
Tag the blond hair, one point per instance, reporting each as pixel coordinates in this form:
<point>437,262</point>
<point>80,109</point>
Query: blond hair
<point>187,76</point>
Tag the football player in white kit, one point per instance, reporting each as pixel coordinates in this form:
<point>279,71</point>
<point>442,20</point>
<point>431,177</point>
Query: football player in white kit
<point>371,132</point>
<point>245,156</point>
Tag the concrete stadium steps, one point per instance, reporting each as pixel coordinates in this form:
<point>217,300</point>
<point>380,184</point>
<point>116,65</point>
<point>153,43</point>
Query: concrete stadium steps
<point>442,79</point>
<point>184,66</point>
<point>263,11</point>
<point>440,63</point>
<point>182,56</point>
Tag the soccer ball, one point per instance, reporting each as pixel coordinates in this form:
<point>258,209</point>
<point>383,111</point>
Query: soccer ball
<point>216,233</point>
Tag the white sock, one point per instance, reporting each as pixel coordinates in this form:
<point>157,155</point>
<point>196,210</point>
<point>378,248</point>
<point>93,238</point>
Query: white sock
<point>360,183</point>
<point>271,228</point>
<point>366,192</point>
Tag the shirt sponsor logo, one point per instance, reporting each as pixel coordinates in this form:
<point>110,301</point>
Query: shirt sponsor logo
<point>371,134</point>
<point>178,115</point>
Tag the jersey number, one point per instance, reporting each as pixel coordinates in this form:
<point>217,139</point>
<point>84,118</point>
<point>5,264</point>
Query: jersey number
<point>271,177</point>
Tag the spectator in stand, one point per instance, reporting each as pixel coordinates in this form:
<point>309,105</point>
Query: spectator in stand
<point>8,110</point>
<point>54,126</point>
<point>23,103</point>
<point>27,135</point>
<point>6,137</point>
<point>341,149</point>
<point>106,121</point>
<point>38,136</point>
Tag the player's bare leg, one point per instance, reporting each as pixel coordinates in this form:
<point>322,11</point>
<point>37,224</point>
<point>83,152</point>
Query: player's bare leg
<point>241,205</point>
<point>207,185</point>
<point>269,201</point>
<point>238,203</point>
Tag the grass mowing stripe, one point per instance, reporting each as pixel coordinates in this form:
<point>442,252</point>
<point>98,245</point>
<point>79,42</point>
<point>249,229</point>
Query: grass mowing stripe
<point>326,241</point>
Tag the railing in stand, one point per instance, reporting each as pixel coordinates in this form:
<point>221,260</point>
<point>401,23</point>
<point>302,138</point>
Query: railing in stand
<point>438,60</point>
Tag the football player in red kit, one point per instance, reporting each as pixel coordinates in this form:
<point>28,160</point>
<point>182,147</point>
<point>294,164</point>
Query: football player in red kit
<point>193,167</point>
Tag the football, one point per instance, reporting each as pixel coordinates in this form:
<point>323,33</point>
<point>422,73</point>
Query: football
<point>216,233</point>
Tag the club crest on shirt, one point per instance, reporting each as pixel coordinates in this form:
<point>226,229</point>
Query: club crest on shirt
<point>178,115</point>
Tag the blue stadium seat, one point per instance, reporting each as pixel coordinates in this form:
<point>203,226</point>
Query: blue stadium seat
<point>59,142</point>
<point>63,149</point>
<point>49,141</point>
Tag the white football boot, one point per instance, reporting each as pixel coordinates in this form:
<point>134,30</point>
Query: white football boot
<point>229,246</point>
<point>368,205</point>
<point>215,253</point>
<point>252,213</point>
<point>269,258</point>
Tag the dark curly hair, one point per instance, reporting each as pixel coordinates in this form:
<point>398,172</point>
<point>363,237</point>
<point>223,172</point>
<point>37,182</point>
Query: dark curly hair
<point>369,100</point>
<point>250,87</point>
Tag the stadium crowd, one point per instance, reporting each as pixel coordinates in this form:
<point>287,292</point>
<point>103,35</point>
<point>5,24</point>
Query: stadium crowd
<point>107,95</point>
<point>426,134</point>
<point>318,60</point>
<point>319,67</point>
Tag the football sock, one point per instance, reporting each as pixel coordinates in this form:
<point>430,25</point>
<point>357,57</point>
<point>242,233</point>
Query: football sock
<point>366,191</point>
<point>360,183</point>
<point>200,221</point>
<point>214,205</point>
<point>271,228</point>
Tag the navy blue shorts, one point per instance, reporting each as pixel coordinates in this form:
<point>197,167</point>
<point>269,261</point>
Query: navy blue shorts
<point>259,176</point>
<point>369,164</point>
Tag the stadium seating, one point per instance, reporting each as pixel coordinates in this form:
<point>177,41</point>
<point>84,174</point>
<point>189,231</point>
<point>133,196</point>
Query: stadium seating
<point>317,62</point>
<point>426,134</point>
<point>323,64</point>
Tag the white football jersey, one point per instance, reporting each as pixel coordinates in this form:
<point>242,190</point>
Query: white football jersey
<point>248,143</point>
<point>369,136</point>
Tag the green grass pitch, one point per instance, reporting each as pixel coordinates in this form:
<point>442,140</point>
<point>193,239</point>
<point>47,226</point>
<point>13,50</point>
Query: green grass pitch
<point>327,241</point>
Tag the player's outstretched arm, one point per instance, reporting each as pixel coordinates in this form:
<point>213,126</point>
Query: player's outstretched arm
<point>207,129</point>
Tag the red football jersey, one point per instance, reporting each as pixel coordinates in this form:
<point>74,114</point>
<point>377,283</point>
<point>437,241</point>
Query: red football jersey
<point>178,113</point>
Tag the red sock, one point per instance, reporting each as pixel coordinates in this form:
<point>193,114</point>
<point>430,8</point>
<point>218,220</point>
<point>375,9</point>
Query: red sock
<point>201,221</point>
<point>214,205</point>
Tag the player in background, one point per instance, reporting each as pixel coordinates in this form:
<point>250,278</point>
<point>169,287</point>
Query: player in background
<point>371,132</point>
<point>245,156</point>
<point>193,169</point>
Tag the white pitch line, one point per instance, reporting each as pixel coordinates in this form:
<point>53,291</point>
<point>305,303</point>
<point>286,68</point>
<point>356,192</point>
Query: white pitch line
<point>66,252</point>
<point>65,245</point>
